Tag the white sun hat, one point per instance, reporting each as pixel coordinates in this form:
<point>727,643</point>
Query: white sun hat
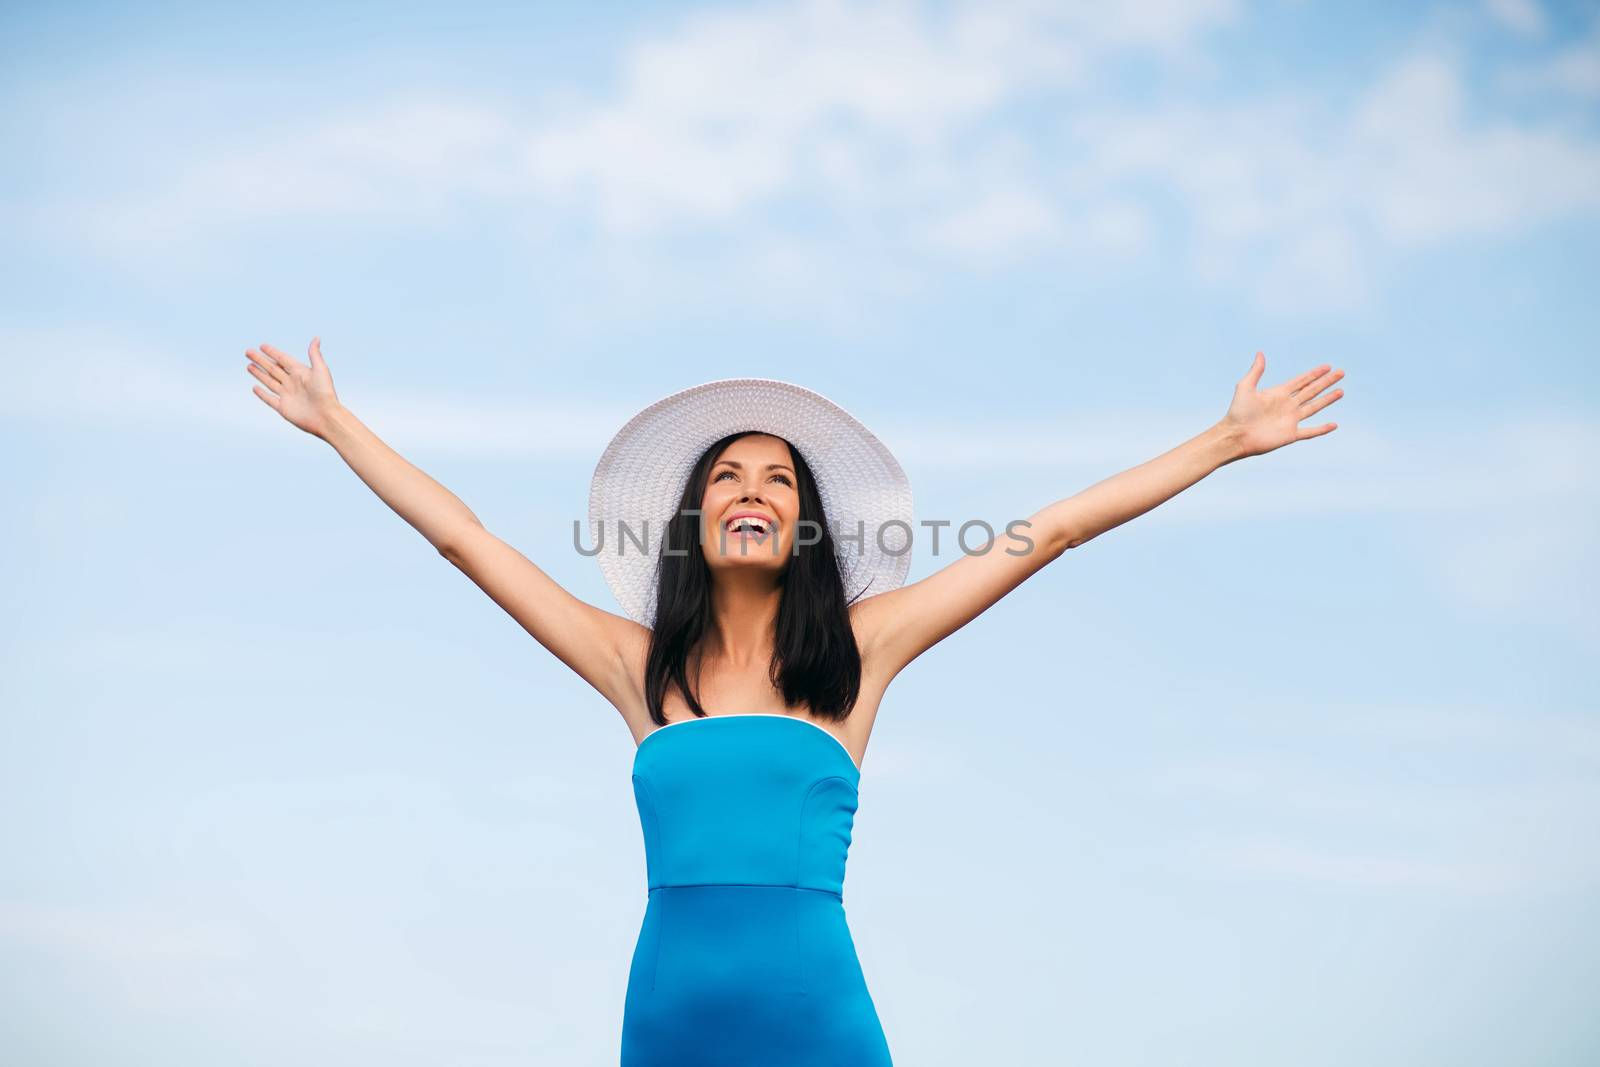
<point>642,474</point>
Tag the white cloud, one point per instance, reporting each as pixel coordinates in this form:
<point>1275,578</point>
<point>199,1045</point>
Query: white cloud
<point>1425,173</point>
<point>1272,858</point>
<point>1002,223</point>
<point>1513,732</point>
<point>1281,195</point>
<point>88,379</point>
<point>403,162</point>
<point>1322,258</point>
<point>124,937</point>
<point>847,104</point>
<point>1510,792</point>
<point>1573,70</point>
<point>828,98</point>
<point>909,143</point>
<point>1523,16</point>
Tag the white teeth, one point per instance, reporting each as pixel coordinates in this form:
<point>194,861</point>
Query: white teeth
<point>750,521</point>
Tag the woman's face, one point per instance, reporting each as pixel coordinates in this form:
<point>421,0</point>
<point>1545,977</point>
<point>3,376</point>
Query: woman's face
<point>753,477</point>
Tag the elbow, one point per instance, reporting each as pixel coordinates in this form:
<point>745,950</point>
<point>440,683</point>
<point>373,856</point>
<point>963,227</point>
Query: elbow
<point>1063,540</point>
<point>449,545</point>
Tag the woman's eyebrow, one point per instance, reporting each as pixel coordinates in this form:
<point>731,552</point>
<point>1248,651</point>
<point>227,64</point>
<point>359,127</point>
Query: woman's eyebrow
<point>770,466</point>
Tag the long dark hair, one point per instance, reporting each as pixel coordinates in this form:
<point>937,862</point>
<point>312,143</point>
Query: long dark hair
<point>814,655</point>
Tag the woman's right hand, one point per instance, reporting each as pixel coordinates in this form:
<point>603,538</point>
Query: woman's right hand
<point>303,395</point>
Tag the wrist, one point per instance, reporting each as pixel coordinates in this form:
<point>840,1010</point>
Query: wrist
<point>1226,442</point>
<point>336,423</point>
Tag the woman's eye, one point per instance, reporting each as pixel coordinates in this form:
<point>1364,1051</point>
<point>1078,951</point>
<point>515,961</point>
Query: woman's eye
<point>784,478</point>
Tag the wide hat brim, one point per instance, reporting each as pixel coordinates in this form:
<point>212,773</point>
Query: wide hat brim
<point>641,476</point>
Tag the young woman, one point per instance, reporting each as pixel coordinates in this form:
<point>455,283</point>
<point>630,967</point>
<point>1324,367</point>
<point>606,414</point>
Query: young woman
<point>758,538</point>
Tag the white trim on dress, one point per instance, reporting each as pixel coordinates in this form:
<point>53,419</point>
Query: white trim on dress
<point>757,715</point>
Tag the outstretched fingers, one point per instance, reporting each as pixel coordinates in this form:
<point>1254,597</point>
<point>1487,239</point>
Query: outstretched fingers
<point>1312,406</point>
<point>267,366</point>
<point>273,369</point>
<point>265,378</point>
<point>283,359</point>
<point>1326,427</point>
<point>1309,392</point>
<point>271,401</point>
<point>1297,385</point>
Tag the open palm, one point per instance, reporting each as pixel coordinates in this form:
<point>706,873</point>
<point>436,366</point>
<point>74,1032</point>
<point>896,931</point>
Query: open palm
<point>1265,419</point>
<point>302,394</point>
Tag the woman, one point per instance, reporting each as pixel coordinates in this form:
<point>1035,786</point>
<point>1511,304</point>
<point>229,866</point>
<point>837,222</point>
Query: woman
<point>770,613</point>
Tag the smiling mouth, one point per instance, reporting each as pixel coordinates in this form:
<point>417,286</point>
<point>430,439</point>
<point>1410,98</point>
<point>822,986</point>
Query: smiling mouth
<point>748,527</point>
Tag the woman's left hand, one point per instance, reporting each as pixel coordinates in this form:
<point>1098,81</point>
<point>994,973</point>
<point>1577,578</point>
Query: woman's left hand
<point>1261,421</point>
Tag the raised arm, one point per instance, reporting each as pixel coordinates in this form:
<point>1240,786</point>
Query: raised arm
<point>586,638</point>
<point>898,626</point>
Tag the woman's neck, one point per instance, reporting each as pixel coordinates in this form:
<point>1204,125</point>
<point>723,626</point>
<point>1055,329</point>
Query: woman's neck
<point>746,619</point>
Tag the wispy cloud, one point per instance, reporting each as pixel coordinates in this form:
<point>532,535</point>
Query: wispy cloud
<point>1572,70</point>
<point>1304,188</point>
<point>1277,859</point>
<point>122,936</point>
<point>106,382</point>
<point>832,100</point>
<point>1525,17</point>
<point>1517,460</point>
<point>897,135</point>
<point>1509,794</point>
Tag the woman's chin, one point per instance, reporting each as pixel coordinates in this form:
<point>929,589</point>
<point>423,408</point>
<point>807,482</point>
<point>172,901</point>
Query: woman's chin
<point>762,556</point>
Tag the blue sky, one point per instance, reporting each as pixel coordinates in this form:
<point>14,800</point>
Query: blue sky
<point>1303,766</point>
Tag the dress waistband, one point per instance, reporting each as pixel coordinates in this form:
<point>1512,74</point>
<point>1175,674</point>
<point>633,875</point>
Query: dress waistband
<point>747,885</point>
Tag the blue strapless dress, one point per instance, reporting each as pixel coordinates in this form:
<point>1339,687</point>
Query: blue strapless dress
<point>744,958</point>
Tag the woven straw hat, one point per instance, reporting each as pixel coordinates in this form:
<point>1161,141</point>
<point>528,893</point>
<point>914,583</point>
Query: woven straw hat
<point>643,471</point>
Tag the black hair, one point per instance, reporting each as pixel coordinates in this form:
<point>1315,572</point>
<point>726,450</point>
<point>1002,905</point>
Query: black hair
<point>814,655</point>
